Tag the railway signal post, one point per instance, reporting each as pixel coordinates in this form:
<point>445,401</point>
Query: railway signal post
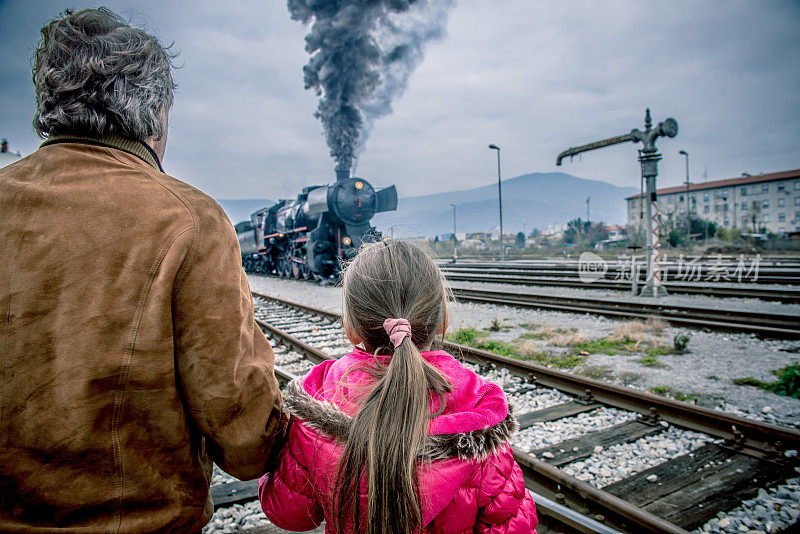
<point>648,157</point>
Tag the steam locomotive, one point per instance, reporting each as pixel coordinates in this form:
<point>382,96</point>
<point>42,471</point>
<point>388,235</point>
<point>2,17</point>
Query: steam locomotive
<point>309,237</point>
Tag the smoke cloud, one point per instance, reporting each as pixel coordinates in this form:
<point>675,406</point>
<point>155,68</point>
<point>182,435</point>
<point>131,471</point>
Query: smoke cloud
<point>362,55</point>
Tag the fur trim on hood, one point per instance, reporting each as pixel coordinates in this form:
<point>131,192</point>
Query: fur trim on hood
<point>326,418</point>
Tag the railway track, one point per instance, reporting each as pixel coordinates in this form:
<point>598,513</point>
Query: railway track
<point>720,318</point>
<point>708,273</point>
<point>768,324</point>
<point>729,460</point>
<point>688,288</point>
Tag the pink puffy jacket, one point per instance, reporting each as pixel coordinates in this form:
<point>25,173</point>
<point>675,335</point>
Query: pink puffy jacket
<point>471,484</point>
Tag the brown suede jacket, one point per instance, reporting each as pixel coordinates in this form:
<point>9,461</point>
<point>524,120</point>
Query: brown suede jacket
<point>129,356</point>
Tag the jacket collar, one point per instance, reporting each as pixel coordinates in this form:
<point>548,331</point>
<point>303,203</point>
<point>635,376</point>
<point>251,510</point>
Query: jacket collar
<point>140,149</point>
<point>326,418</point>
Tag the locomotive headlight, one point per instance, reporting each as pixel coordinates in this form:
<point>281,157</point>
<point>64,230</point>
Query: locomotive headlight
<point>347,240</point>
<point>280,235</point>
<point>359,185</point>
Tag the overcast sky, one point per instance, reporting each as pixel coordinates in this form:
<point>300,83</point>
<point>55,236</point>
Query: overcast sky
<point>532,77</point>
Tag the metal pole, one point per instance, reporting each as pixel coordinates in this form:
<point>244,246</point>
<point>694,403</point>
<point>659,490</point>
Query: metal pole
<point>500,200</point>
<point>688,206</point>
<point>455,241</point>
<point>649,167</point>
<point>588,220</point>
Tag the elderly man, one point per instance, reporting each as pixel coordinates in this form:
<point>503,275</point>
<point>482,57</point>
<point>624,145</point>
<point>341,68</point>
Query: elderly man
<point>129,355</point>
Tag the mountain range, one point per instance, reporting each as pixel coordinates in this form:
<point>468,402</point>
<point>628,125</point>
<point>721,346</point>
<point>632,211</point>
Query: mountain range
<point>240,210</point>
<point>535,200</point>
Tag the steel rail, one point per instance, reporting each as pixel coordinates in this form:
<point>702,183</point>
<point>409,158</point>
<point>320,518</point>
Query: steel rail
<point>789,277</point>
<point>785,269</point>
<point>763,263</point>
<point>776,294</point>
<point>769,324</point>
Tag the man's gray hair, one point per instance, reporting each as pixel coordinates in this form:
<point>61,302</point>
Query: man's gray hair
<point>96,75</point>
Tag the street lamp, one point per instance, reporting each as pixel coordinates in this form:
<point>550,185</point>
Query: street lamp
<point>688,208</point>
<point>455,242</point>
<point>500,199</point>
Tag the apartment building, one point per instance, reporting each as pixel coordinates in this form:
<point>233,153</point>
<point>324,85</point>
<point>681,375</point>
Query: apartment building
<point>749,203</point>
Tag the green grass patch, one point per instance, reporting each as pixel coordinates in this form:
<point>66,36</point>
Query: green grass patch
<point>683,396</point>
<point>473,338</point>
<point>650,361</point>
<point>561,361</point>
<point>624,345</point>
<point>750,381</point>
<point>531,335</point>
<point>788,384</point>
<point>659,350</point>
<point>466,336</point>
<point>605,346</point>
<point>660,390</point>
<point>788,381</point>
<point>477,339</point>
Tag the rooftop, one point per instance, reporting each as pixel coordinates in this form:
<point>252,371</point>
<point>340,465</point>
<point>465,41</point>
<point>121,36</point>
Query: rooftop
<point>743,180</point>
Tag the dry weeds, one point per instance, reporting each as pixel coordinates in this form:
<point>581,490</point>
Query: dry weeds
<point>650,331</point>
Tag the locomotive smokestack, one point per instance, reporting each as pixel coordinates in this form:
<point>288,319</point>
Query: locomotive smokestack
<point>342,174</point>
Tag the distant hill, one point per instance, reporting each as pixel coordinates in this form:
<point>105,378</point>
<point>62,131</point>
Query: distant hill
<point>533,200</point>
<point>240,210</point>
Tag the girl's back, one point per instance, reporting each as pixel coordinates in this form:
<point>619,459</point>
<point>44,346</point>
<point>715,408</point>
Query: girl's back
<point>415,438</point>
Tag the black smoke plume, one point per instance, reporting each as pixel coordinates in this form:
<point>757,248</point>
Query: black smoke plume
<point>362,54</point>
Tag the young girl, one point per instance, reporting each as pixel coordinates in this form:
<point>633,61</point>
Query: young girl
<point>396,437</point>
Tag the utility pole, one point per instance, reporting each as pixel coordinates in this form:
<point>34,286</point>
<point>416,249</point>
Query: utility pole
<point>455,241</point>
<point>688,206</point>
<point>588,220</point>
<point>500,200</point>
<point>648,158</point>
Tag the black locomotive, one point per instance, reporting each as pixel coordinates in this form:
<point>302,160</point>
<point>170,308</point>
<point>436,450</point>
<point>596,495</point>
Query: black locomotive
<point>309,237</point>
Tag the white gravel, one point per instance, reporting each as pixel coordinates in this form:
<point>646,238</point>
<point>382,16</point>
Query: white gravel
<point>612,464</point>
<point>771,511</point>
<point>544,434</point>
<point>236,517</point>
<point>218,476</point>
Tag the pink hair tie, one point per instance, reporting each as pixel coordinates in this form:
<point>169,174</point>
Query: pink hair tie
<point>398,330</point>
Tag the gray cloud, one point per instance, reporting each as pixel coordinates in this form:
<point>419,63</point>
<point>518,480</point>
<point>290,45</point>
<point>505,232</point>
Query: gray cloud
<point>532,77</point>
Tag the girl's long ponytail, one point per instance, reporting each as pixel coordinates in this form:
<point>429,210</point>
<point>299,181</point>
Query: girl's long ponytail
<point>386,437</point>
<point>390,279</point>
